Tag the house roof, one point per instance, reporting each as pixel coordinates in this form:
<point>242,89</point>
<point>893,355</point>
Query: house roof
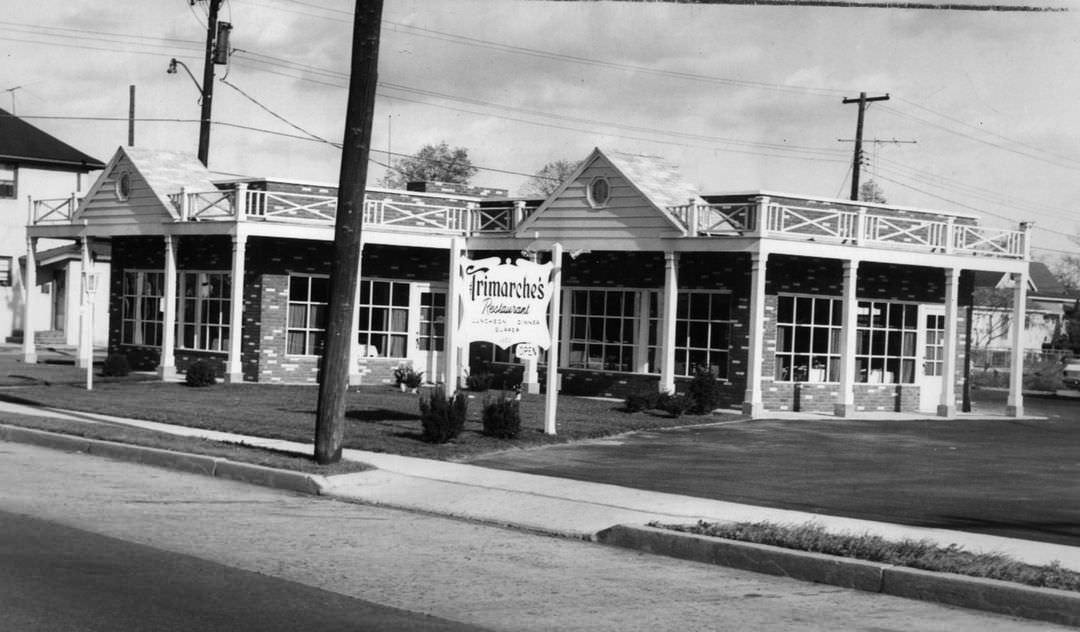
<point>169,171</point>
<point>656,178</point>
<point>22,143</point>
<point>1041,281</point>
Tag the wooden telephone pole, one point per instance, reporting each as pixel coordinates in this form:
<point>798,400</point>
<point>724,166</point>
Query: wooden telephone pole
<point>208,83</point>
<point>345,271</point>
<point>862,100</point>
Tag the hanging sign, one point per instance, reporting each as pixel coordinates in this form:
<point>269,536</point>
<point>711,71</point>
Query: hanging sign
<point>505,303</point>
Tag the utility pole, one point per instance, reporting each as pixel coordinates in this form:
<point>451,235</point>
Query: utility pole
<point>345,270</point>
<point>856,162</point>
<point>131,115</point>
<point>208,81</point>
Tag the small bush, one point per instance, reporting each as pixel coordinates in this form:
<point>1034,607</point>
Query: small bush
<point>407,376</point>
<point>116,365</point>
<point>442,417</point>
<point>502,417</point>
<point>479,381</point>
<point>703,392</point>
<point>200,373</point>
<point>674,405</point>
<point>636,402</point>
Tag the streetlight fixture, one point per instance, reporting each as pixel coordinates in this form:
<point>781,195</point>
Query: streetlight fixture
<point>90,281</point>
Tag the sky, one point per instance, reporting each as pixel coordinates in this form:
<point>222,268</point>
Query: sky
<point>740,98</point>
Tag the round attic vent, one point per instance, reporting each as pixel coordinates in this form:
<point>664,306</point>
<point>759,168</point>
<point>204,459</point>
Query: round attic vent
<point>598,192</point>
<point>123,186</point>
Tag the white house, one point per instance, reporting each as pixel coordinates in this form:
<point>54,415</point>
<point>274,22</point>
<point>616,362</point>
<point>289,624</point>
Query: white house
<point>34,164</point>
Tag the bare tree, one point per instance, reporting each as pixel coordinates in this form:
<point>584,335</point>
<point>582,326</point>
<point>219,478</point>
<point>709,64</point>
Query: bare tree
<point>433,163</point>
<point>870,191</point>
<point>550,177</point>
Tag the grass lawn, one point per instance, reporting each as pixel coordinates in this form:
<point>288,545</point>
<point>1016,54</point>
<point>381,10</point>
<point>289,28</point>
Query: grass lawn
<point>921,554</point>
<point>378,418</point>
<point>191,445</point>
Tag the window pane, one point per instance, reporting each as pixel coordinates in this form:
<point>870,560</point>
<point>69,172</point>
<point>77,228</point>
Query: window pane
<point>400,294</point>
<point>785,309</point>
<point>298,288</point>
<point>380,293</point>
<point>320,290</point>
<point>399,320</point>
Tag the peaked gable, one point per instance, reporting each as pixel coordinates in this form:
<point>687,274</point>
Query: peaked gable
<point>153,177</point>
<point>640,190</point>
<point>22,143</point>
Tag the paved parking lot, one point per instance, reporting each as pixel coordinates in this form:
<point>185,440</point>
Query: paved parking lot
<point>1013,478</point>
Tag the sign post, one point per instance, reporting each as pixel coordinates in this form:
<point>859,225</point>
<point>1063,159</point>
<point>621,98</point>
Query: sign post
<point>507,304</point>
<point>89,289</point>
<point>552,395</point>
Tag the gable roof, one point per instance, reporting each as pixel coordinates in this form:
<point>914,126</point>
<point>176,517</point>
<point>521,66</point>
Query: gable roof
<point>22,143</point>
<point>1041,281</point>
<point>164,172</point>
<point>657,181</point>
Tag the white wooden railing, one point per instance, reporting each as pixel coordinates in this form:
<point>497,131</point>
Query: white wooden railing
<point>54,211</point>
<point>853,226</point>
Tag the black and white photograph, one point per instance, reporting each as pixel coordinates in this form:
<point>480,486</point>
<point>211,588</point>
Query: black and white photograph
<point>539,315</point>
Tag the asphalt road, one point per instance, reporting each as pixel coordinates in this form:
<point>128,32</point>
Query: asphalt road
<point>57,579</point>
<point>1004,477</point>
<point>310,551</point>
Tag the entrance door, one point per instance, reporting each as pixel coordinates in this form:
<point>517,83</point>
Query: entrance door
<point>932,351</point>
<point>59,300</point>
<point>431,333</point>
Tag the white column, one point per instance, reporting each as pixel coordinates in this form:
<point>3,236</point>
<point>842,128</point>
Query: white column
<point>551,398</point>
<point>29,287</point>
<point>846,406</point>
<point>947,405</point>
<point>752,401</point>
<point>355,377</point>
<point>86,337</point>
<point>453,316</point>
<point>1015,405</point>
<point>167,365</point>
<point>667,322</point>
<point>234,371</point>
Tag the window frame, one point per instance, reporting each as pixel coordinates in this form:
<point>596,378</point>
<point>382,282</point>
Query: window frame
<point>867,337</point>
<point>626,348</point>
<point>367,308</point>
<point>314,335</point>
<point>136,335</point>
<point>202,328</point>
<point>590,194</point>
<point>684,324</point>
<point>821,367</point>
<point>7,271</point>
<point>14,182</point>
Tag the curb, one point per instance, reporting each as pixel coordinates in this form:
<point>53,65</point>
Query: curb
<point>191,463</point>
<point>1018,600</point>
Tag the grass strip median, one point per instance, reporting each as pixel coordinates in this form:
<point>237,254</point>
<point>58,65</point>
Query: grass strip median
<point>920,554</point>
<point>191,445</point>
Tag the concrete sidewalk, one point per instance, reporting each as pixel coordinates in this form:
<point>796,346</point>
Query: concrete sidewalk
<point>555,505</point>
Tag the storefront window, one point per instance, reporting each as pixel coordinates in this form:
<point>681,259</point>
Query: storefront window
<point>702,332</point>
<point>808,338</point>
<point>142,307</point>
<point>602,329</point>
<point>309,297</point>
<point>203,317</point>
<point>885,345</point>
<point>384,318</point>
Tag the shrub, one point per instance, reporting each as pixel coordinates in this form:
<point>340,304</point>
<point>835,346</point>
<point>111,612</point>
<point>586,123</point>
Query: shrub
<point>479,381</point>
<point>200,373</point>
<point>407,376</point>
<point>703,392</point>
<point>636,402</point>
<point>442,417</point>
<point>116,365</point>
<point>674,405</point>
<point>502,417</point>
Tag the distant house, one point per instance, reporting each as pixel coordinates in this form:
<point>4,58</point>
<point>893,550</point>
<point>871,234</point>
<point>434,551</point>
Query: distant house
<point>34,164</point>
<point>795,302</point>
<point>1048,303</point>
